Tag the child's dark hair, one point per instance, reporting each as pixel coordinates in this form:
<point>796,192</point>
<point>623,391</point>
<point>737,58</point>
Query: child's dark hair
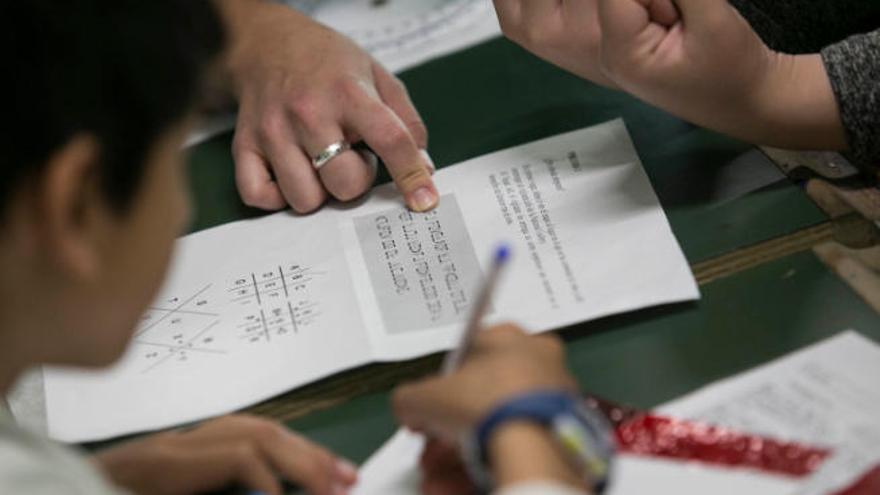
<point>121,70</point>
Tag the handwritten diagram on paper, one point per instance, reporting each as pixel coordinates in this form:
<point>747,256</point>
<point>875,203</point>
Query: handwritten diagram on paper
<point>177,330</point>
<point>255,308</point>
<point>277,301</point>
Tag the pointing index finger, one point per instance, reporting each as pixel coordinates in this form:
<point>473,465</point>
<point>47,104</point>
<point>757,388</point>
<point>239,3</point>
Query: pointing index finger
<point>390,138</point>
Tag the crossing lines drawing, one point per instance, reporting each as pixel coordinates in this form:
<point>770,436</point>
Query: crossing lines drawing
<point>255,307</point>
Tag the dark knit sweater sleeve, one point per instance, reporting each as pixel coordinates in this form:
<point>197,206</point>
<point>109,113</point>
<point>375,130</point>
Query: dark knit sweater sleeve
<point>852,60</point>
<point>853,66</point>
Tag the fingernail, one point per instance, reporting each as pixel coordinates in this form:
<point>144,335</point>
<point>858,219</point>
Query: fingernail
<point>423,199</point>
<point>428,159</point>
<point>346,469</point>
<point>340,489</point>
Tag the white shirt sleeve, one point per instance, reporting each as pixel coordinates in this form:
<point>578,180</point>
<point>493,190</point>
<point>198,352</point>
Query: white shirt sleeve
<point>540,488</point>
<point>34,465</point>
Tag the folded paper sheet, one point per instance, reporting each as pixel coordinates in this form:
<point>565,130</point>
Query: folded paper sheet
<point>255,308</point>
<point>824,395</point>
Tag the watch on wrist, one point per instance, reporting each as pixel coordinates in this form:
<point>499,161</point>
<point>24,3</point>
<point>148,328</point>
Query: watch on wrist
<point>582,432</point>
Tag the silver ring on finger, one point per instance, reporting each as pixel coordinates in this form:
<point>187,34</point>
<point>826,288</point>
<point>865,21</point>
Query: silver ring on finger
<point>329,153</point>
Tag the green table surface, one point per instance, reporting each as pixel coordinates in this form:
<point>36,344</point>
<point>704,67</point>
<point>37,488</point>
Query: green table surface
<point>495,96</point>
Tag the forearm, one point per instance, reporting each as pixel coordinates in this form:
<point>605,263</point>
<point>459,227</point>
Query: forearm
<point>780,100</point>
<point>523,452</point>
<point>796,107</point>
<point>850,64</point>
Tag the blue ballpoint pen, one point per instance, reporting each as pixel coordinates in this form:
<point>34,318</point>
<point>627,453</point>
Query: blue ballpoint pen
<point>484,298</point>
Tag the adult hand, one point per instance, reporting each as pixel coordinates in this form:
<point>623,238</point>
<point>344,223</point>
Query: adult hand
<point>235,450</point>
<point>565,33</point>
<point>710,67</point>
<point>698,59</point>
<point>302,87</point>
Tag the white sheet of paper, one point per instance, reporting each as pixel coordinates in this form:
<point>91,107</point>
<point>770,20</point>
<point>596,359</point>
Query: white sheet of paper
<point>255,308</point>
<point>405,33</point>
<point>400,34</point>
<point>825,394</point>
<point>394,468</point>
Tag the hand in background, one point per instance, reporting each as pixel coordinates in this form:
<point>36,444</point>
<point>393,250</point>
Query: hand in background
<point>564,33</point>
<point>302,87</point>
<point>236,450</point>
<point>697,59</point>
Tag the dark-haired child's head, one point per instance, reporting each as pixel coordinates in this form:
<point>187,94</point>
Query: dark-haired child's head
<point>99,95</point>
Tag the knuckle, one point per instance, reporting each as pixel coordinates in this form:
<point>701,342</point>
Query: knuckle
<point>244,420</point>
<point>506,331</point>
<point>165,451</point>
<point>272,125</point>
<point>252,194</point>
<point>399,399</point>
<point>393,136</point>
<point>348,188</point>
<point>306,108</point>
<point>244,454</point>
<point>225,421</point>
<point>310,471</point>
<point>419,132</point>
<point>242,142</point>
<point>397,84</point>
<point>553,345</point>
<point>498,336</point>
<point>306,202</point>
<point>267,431</point>
<point>411,178</point>
<point>350,87</point>
<point>398,395</point>
<point>323,459</point>
<point>534,35</point>
<point>316,466</point>
<point>510,29</point>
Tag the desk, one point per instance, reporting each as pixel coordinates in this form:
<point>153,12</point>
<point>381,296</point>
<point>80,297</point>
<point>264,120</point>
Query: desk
<point>764,295</point>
